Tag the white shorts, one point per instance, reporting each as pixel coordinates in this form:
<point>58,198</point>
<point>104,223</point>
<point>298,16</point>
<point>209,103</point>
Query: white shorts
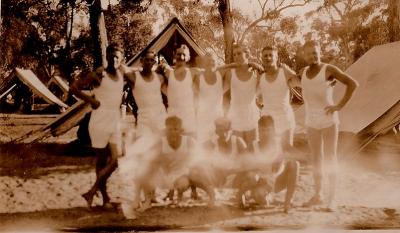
<point>104,127</point>
<point>188,117</point>
<point>318,119</point>
<point>151,120</point>
<point>244,119</point>
<point>284,120</point>
<point>206,124</point>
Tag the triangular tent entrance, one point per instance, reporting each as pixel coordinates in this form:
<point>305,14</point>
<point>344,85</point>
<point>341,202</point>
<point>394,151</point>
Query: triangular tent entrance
<point>164,44</point>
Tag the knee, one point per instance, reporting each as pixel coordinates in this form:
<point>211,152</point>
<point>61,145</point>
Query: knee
<point>113,163</point>
<point>182,183</point>
<point>293,165</point>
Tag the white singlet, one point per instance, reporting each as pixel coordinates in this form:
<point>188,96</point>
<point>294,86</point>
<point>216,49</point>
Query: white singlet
<point>209,106</point>
<point>243,110</point>
<point>151,113</point>
<point>276,99</point>
<point>181,100</point>
<point>104,124</point>
<point>318,94</point>
<point>174,162</point>
<point>233,143</point>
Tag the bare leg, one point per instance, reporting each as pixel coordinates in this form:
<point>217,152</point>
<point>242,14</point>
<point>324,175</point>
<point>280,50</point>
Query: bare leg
<point>194,194</point>
<point>203,181</point>
<point>102,176</point>
<point>249,137</point>
<point>330,138</point>
<point>181,184</point>
<point>170,195</point>
<point>287,144</point>
<point>101,162</point>
<point>316,146</point>
<point>288,180</point>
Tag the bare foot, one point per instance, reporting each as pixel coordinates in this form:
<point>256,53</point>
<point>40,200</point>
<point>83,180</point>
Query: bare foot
<point>130,215</point>
<point>108,206</point>
<point>88,198</point>
<point>331,207</point>
<point>169,196</point>
<point>315,200</point>
<point>194,195</point>
<point>287,207</point>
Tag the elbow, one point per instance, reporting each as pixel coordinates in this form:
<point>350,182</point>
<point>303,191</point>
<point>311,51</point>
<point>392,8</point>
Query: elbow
<point>73,89</point>
<point>354,85</point>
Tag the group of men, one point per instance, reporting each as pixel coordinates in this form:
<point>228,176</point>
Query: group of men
<point>199,140</point>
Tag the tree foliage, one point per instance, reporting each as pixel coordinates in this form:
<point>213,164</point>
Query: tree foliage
<point>353,27</point>
<point>45,34</point>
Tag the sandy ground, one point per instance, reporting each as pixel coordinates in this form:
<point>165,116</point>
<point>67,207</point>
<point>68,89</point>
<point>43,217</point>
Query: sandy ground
<point>40,187</point>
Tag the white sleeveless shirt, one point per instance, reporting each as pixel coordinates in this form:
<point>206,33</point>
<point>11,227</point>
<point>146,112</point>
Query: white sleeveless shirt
<point>276,94</point>
<point>147,93</point>
<point>181,100</point>
<point>104,124</point>
<point>180,93</point>
<point>209,106</point>
<point>232,148</point>
<point>243,111</point>
<point>210,95</point>
<point>109,93</point>
<point>318,94</point>
<point>276,99</point>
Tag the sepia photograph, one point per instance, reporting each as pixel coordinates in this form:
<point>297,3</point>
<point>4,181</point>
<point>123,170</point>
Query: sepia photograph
<point>200,116</point>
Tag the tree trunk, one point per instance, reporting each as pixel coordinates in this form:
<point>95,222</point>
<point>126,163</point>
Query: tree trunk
<point>1,29</point>
<point>224,8</point>
<point>99,37</point>
<point>98,32</point>
<point>394,20</point>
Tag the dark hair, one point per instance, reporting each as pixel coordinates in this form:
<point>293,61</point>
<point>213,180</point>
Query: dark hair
<point>185,49</point>
<point>270,47</point>
<point>173,120</point>
<point>149,52</point>
<point>242,47</point>
<point>265,121</point>
<point>311,43</point>
<point>113,47</point>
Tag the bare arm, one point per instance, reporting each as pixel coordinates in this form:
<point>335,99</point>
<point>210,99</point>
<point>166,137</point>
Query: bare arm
<point>92,78</point>
<point>291,77</point>
<point>195,71</point>
<point>334,73</point>
<point>163,84</point>
<point>227,82</point>
<point>226,92</point>
<point>257,67</point>
<point>130,77</point>
<point>196,85</point>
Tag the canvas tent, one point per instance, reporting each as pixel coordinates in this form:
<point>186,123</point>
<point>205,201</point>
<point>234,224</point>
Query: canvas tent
<point>375,106</point>
<point>164,44</point>
<point>32,81</point>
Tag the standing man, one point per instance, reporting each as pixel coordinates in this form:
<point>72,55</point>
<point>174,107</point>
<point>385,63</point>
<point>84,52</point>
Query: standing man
<point>146,87</point>
<point>209,88</point>
<point>242,83</point>
<point>275,93</point>
<point>180,90</point>
<point>322,119</point>
<point>104,121</point>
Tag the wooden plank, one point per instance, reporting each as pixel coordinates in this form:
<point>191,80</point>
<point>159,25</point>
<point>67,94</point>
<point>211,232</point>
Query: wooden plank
<point>9,90</point>
<point>71,121</point>
<point>57,124</point>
